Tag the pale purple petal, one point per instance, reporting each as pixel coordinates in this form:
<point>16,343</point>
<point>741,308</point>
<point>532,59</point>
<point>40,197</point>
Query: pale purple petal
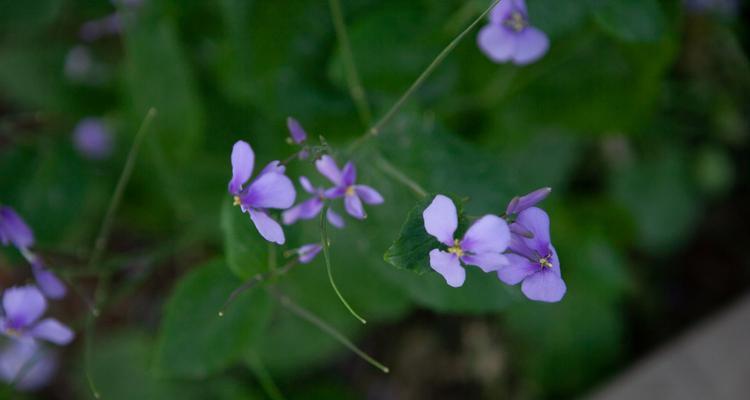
<point>368,194</point>
<point>488,262</point>
<point>536,221</point>
<point>47,281</point>
<point>307,185</point>
<point>502,11</point>
<point>490,234</point>
<point>291,215</point>
<point>349,175</point>
<point>497,43</point>
<point>243,160</point>
<point>14,230</point>
<point>335,219</point>
<point>335,193</point>
<point>328,168</point>
<point>308,252</point>
<point>53,331</point>
<point>303,154</point>
<point>447,265</point>
<point>519,204</point>
<point>545,286</point>
<point>23,306</point>
<point>274,166</point>
<point>93,139</point>
<point>531,44</point>
<point>441,219</point>
<point>267,226</point>
<point>517,269</point>
<point>306,210</point>
<point>28,365</point>
<point>353,206</point>
<point>270,190</point>
<point>295,130</point>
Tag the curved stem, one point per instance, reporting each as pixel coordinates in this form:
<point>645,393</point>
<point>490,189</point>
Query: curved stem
<point>396,174</point>
<point>350,68</point>
<point>375,129</point>
<point>323,326</point>
<point>325,245</point>
<point>254,281</point>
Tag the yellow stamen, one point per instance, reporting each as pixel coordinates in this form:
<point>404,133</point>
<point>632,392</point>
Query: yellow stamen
<point>545,262</point>
<point>456,248</point>
<point>236,201</point>
<point>350,191</point>
<point>516,22</point>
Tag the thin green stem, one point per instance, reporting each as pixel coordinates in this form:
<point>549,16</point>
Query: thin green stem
<point>114,202</point>
<point>254,281</point>
<point>264,377</point>
<point>356,90</point>
<point>101,243</point>
<point>398,175</point>
<point>286,302</point>
<point>375,129</point>
<point>325,244</point>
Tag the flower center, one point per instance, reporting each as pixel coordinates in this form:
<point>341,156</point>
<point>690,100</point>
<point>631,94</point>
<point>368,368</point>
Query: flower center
<point>236,201</point>
<point>545,262</point>
<point>13,332</point>
<point>456,248</point>
<point>516,21</point>
<point>350,191</point>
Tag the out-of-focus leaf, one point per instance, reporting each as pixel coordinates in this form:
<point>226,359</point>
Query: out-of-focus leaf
<point>158,75</point>
<point>556,19</point>
<point>194,340</point>
<point>28,15</point>
<point>245,250</point>
<point>411,249</point>
<point>32,75</point>
<point>631,20</point>
<point>660,196</point>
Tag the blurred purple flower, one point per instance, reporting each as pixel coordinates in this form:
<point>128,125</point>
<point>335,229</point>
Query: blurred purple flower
<point>298,136</point>
<point>308,209</point>
<point>482,245</point>
<point>93,139</point>
<point>345,186</point>
<point>22,308</point>
<point>725,7</point>
<point>308,252</point>
<point>109,25</point>
<point>13,229</point>
<point>27,364</point>
<point>78,63</point>
<point>521,203</point>
<point>510,37</point>
<point>270,189</point>
<point>533,260</point>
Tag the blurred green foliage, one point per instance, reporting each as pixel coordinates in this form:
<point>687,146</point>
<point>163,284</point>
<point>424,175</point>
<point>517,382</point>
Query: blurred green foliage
<point>633,130</point>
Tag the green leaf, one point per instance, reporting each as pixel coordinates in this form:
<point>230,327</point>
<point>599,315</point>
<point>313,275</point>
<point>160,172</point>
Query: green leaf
<point>158,75</point>
<point>631,20</point>
<point>194,340</point>
<point>245,250</point>
<point>411,250</point>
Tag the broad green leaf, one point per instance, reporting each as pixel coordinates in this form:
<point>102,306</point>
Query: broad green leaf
<point>158,75</point>
<point>194,341</point>
<point>245,250</point>
<point>631,20</point>
<point>411,249</point>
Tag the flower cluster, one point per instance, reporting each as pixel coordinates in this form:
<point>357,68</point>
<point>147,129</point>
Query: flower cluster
<point>516,246</point>
<point>272,189</point>
<point>510,37</point>
<point>23,359</point>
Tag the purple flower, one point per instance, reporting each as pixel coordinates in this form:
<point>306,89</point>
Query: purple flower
<point>308,252</point>
<point>298,136</point>
<point>482,245</point>
<point>27,364</point>
<point>78,63</point>
<point>533,260</point>
<point>345,186</point>
<point>47,281</point>
<point>308,209</point>
<point>509,37</point>
<point>110,25</point>
<point>521,203</point>
<point>13,229</point>
<point>270,189</point>
<point>725,7</point>
<point>23,306</point>
<point>93,139</point>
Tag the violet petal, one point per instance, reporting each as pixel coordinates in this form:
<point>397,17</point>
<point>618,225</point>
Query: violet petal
<point>296,131</point>
<point>23,305</point>
<point>328,168</point>
<point>490,234</point>
<point>270,190</point>
<point>545,286</point>
<point>267,226</point>
<point>488,262</point>
<point>53,331</point>
<point>353,206</point>
<point>243,161</point>
<point>447,265</point>
<point>368,194</point>
<point>441,219</point>
<point>531,45</point>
